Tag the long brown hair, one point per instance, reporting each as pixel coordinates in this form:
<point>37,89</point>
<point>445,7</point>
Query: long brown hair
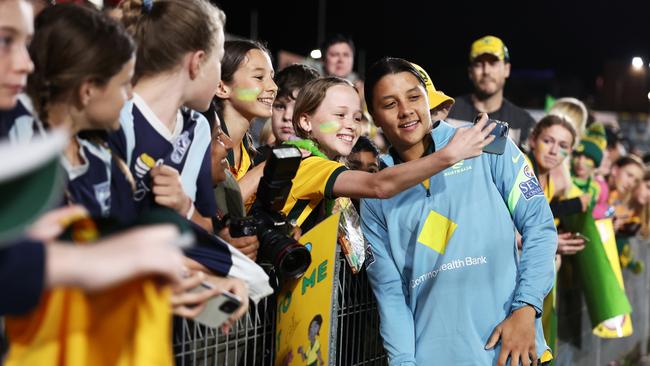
<point>168,29</point>
<point>74,44</point>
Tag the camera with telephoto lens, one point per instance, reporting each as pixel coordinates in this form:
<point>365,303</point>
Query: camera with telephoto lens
<point>289,258</point>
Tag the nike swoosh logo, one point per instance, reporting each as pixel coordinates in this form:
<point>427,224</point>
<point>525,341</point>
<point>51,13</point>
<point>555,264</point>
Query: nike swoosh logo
<point>516,160</point>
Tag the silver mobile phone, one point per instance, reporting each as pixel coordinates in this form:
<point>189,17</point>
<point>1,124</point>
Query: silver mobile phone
<point>218,309</point>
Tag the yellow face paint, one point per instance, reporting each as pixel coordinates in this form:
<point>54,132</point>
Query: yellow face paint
<point>329,127</point>
<point>247,95</point>
<point>542,146</point>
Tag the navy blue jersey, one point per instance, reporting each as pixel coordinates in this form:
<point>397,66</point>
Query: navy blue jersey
<point>19,124</point>
<point>143,141</point>
<point>98,184</point>
<point>94,183</point>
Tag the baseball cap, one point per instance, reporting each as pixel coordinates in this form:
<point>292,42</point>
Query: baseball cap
<point>31,181</point>
<point>489,45</point>
<point>436,97</point>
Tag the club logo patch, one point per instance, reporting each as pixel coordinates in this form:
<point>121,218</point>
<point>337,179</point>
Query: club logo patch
<point>531,188</point>
<point>528,171</point>
<point>103,196</point>
<point>181,145</point>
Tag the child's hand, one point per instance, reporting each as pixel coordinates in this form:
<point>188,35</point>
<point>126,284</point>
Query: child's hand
<point>248,245</point>
<point>168,189</point>
<point>236,287</point>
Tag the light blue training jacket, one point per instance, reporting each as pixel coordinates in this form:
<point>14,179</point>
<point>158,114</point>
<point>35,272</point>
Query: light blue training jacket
<point>443,262</point>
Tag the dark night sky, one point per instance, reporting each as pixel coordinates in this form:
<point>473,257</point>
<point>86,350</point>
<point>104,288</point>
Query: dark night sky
<point>557,47</point>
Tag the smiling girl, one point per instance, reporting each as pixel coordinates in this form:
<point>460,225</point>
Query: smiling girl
<point>246,91</point>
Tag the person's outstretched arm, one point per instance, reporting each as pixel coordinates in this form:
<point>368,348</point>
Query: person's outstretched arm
<point>466,143</point>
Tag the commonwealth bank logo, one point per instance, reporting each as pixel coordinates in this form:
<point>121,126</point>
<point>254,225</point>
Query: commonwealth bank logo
<point>436,232</point>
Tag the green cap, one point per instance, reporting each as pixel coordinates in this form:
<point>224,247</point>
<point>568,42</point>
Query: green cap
<point>594,143</point>
<point>31,182</point>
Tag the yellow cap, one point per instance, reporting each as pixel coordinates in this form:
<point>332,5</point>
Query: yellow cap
<point>489,45</point>
<point>436,97</point>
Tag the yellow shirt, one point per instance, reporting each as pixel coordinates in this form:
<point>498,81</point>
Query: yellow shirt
<point>245,163</point>
<point>312,353</point>
<point>313,182</point>
<point>127,325</point>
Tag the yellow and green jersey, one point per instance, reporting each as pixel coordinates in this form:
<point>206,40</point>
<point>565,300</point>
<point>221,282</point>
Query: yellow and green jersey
<point>311,187</point>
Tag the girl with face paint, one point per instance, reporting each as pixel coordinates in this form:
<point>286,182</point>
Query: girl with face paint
<point>246,91</point>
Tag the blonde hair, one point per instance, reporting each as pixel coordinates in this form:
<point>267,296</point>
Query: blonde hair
<point>575,112</point>
<point>310,98</point>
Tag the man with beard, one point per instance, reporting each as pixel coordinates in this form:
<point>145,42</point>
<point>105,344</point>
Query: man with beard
<point>488,70</point>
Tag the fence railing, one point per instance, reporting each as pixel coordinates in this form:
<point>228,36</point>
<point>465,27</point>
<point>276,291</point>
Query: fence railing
<point>357,328</point>
<point>252,342</point>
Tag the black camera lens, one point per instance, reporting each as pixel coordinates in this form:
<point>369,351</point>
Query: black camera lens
<point>229,306</point>
<point>295,261</point>
<point>290,258</point>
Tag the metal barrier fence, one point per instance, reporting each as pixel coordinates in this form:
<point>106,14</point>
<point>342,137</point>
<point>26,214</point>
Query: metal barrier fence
<point>252,342</point>
<point>578,346</point>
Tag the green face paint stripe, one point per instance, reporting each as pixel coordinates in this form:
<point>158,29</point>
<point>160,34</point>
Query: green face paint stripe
<point>515,193</point>
<point>247,95</point>
<point>329,126</point>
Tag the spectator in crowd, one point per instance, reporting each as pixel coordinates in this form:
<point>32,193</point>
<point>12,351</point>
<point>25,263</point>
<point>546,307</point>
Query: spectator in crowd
<point>587,157</point>
<point>338,56</point>
<point>163,139</point>
<point>550,142</point>
<point>246,91</point>
<point>327,117</point>
<point>166,148</point>
<point>85,95</point>
<point>488,70</point>
<point>626,176</point>
<point>443,263</point>
<point>364,156</point>
<point>574,112</point>
<point>289,81</point>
